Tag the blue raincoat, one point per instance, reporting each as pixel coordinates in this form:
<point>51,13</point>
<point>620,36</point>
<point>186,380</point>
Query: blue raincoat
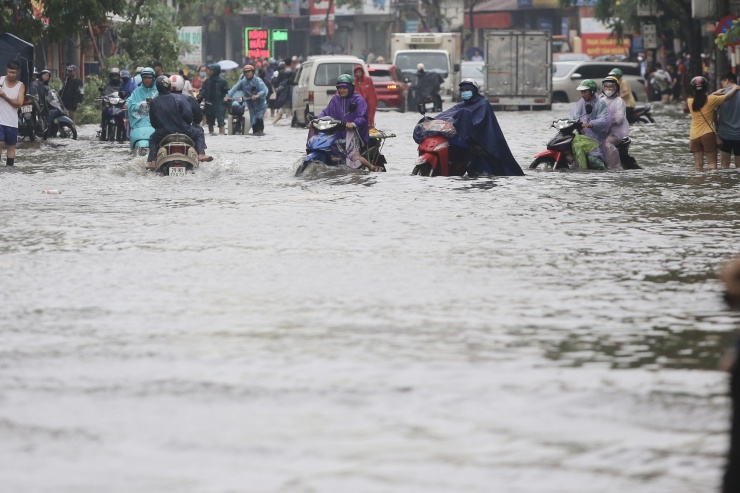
<point>252,87</point>
<point>140,95</point>
<point>476,124</point>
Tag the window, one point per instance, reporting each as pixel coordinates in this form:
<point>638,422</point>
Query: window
<point>381,75</point>
<point>327,73</point>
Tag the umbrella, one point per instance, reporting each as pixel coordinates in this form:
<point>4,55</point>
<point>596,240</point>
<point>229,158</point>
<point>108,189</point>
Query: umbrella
<point>13,48</point>
<point>227,64</point>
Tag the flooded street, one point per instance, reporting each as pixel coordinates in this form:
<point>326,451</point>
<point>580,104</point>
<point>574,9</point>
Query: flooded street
<point>242,330</point>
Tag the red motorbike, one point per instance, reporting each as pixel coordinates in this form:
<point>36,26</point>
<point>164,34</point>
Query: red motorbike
<point>436,156</point>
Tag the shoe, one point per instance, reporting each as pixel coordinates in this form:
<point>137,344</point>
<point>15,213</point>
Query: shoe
<point>150,165</point>
<point>258,134</point>
<point>204,157</point>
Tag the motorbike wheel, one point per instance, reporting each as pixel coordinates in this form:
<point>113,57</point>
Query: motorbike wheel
<point>111,132</point>
<point>646,119</point>
<point>67,131</point>
<point>422,170</point>
<point>32,135</point>
<point>543,163</point>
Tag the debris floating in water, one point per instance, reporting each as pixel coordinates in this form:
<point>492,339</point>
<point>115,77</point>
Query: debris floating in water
<point>51,191</point>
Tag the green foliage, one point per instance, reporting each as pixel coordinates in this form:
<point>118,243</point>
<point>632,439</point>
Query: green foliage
<point>730,35</point>
<point>89,110</point>
<point>121,62</point>
<point>151,33</point>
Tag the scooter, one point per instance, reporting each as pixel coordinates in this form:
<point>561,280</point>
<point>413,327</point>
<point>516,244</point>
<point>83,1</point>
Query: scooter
<point>29,118</point>
<point>176,156</point>
<point>236,110</point>
<point>140,128</point>
<point>438,156</point>
<point>559,153</point>
<point>112,127</point>
<point>641,114</point>
<point>326,148</point>
<point>61,124</point>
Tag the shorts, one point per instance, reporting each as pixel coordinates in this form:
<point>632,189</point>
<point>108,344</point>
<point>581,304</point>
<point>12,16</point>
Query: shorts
<point>705,143</point>
<point>730,147</point>
<point>9,135</point>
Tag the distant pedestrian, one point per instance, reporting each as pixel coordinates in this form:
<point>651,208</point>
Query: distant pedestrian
<point>365,87</point>
<point>703,140</point>
<point>663,81</point>
<point>12,92</point>
<point>213,91</point>
<point>728,124</point>
<point>72,92</point>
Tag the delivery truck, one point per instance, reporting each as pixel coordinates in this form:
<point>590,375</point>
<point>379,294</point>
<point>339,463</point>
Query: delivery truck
<point>439,52</point>
<point>518,69</point>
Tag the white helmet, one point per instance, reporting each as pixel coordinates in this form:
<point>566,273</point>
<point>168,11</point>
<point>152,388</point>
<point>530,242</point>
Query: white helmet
<point>420,66</point>
<point>471,82</point>
<point>178,82</point>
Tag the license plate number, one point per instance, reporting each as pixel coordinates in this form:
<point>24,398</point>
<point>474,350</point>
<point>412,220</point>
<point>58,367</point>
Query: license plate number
<point>177,170</point>
<point>26,109</point>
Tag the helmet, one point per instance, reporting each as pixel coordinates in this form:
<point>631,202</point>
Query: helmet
<point>163,84</point>
<point>126,74</point>
<point>587,85</point>
<point>469,82</point>
<point>699,83</point>
<point>45,71</point>
<point>71,68</point>
<point>610,79</point>
<point>616,72</point>
<point>248,67</point>
<point>177,81</point>
<point>114,71</point>
<point>147,72</point>
<point>345,79</point>
<point>420,66</point>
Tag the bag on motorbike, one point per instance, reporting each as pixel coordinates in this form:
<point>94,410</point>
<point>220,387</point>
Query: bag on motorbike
<point>582,145</point>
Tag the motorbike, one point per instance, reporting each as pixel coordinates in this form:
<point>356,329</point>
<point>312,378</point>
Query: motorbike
<point>436,156</point>
<point>559,153</point>
<point>112,127</point>
<point>176,156</point>
<point>326,148</point>
<point>236,110</point>
<point>29,118</point>
<point>642,114</point>
<point>140,128</point>
<point>61,124</point>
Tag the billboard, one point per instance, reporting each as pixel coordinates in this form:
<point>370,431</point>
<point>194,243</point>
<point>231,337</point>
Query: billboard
<point>191,35</point>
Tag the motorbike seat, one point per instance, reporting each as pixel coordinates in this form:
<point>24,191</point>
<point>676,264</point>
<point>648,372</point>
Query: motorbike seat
<point>169,139</point>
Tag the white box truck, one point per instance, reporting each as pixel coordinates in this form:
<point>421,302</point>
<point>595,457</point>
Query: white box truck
<point>439,52</point>
<point>518,69</point>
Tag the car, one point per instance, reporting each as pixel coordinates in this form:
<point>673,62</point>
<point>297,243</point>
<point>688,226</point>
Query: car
<point>476,70</point>
<point>570,57</point>
<point>390,89</point>
<point>568,75</point>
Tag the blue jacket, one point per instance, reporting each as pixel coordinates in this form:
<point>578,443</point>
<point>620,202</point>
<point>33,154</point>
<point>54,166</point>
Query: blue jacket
<point>171,114</point>
<point>251,87</point>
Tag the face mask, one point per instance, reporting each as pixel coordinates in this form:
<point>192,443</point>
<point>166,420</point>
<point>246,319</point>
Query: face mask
<point>202,74</point>
<point>609,93</point>
<point>466,95</point>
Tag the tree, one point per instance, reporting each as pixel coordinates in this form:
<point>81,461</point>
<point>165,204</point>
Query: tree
<point>150,33</point>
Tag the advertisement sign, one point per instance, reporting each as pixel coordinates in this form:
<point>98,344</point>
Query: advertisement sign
<point>260,42</point>
<point>191,35</point>
<point>318,15</point>
<point>598,44</point>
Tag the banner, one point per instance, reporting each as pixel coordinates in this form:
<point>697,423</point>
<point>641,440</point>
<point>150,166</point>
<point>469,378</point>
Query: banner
<point>317,14</point>
<point>192,35</point>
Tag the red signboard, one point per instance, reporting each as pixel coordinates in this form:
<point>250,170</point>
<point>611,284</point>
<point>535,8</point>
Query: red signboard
<point>598,44</point>
<point>489,20</point>
<point>257,43</point>
<point>318,14</point>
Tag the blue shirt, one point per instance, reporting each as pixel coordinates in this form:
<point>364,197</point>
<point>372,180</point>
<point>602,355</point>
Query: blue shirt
<point>729,118</point>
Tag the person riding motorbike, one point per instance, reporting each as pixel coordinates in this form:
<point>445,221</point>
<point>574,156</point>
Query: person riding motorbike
<point>625,92</point>
<point>114,82</point>
<point>255,92</point>
<point>479,136</point>
<point>146,91</point>
<point>619,127</point>
<point>341,108</point>
<point>170,114</point>
<point>592,112</point>
<point>39,85</point>
<point>427,85</point>
<point>178,85</point>
<point>128,86</point>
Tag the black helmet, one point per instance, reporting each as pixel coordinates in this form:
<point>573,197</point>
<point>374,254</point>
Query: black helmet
<point>163,84</point>
<point>699,84</point>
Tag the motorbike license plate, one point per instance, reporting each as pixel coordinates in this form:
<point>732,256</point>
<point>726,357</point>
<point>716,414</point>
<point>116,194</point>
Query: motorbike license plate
<point>177,170</point>
<point>27,109</point>
<point>429,106</point>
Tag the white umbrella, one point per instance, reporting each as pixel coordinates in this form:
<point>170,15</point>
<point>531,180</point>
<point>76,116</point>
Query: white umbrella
<point>227,64</point>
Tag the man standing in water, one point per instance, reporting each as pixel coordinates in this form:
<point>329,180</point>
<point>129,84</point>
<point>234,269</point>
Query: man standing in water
<point>728,125</point>
<point>12,92</point>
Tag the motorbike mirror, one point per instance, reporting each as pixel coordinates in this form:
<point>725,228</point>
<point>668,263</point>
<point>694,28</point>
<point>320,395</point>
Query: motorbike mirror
<point>422,109</point>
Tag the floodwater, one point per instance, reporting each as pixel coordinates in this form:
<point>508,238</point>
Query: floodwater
<point>242,330</point>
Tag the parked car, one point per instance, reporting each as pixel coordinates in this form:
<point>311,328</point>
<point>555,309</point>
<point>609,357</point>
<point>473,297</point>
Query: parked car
<point>568,75</point>
<point>390,89</point>
<point>315,83</point>
<point>474,70</point>
<point>570,57</point>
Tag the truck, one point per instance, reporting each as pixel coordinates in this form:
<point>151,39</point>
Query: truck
<point>518,69</point>
<point>439,52</point>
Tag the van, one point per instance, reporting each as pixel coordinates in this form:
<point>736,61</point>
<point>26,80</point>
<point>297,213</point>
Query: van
<point>568,75</point>
<point>315,83</point>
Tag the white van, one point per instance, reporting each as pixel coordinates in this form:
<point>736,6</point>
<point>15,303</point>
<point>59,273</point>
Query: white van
<point>315,83</point>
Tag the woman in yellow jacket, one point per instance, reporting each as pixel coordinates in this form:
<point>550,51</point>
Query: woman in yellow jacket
<point>703,109</point>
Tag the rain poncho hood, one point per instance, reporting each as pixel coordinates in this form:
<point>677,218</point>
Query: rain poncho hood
<point>598,118</point>
<point>476,123</point>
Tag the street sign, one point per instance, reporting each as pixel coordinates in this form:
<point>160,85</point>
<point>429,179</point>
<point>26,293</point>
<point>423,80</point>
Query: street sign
<point>650,36</point>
